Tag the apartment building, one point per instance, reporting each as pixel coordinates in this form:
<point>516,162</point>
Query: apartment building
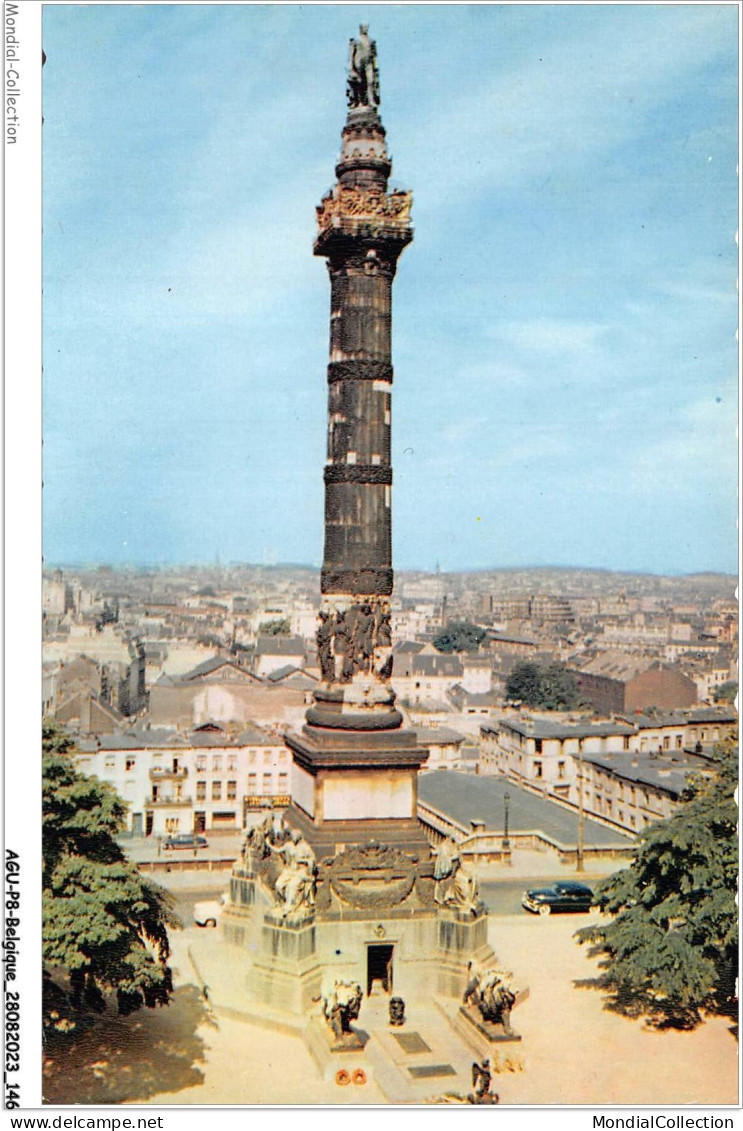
<point>627,772</point>
<point>204,781</point>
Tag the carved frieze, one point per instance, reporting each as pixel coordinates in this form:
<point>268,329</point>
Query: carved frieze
<point>358,203</point>
<point>372,876</point>
<point>355,639</point>
<point>361,370</point>
<point>369,128</point>
<point>357,473</point>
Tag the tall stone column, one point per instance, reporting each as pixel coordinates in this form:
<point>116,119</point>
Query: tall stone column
<point>362,231</point>
<point>355,767</point>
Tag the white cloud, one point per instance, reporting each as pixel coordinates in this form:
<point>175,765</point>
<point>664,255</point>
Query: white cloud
<point>566,102</point>
<point>550,335</point>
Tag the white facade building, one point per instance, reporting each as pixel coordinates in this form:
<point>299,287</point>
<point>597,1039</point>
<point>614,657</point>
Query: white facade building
<point>205,781</point>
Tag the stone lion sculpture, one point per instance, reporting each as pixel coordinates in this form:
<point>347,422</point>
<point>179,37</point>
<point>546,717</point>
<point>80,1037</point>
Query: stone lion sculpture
<point>341,1005</point>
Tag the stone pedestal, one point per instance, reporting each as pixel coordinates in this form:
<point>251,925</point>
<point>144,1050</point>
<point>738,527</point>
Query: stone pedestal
<point>331,1056</point>
<point>353,787</point>
<point>486,1031</point>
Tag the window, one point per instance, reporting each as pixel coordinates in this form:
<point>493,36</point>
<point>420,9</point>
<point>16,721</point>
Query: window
<point>267,757</point>
<point>283,784</point>
<point>130,764</point>
<point>232,762</point>
<point>217,762</point>
<point>538,745</point>
<point>251,755</point>
<point>110,763</point>
<point>625,742</point>
<point>252,783</point>
<point>216,791</point>
<point>679,741</point>
<point>537,769</point>
<point>666,742</point>
<point>171,824</point>
<point>283,755</point>
<point>201,791</point>
<point>561,769</point>
<point>231,790</point>
<point>267,783</point>
<point>201,762</point>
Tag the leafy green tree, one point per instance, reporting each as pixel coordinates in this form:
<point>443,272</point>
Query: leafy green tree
<point>459,636</point>
<point>671,950</point>
<point>104,924</point>
<point>558,688</point>
<point>551,687</point>
<point>726,692</point>
<point>280,627</point>
<point>525,683</point>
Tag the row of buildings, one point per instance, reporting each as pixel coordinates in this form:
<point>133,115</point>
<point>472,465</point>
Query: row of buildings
<point>211,778</point>
<point>624,772</point>
<point>179,695</point>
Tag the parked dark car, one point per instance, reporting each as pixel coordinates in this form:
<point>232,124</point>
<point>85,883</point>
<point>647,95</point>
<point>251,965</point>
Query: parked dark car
<point>566,895</point>
<point>185,840</point>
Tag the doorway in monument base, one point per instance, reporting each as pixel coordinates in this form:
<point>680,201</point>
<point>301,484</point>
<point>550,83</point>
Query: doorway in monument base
<point>379,967</point>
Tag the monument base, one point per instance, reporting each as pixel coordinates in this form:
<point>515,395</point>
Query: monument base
<point>493,1032</point>
<point>333,1057</point>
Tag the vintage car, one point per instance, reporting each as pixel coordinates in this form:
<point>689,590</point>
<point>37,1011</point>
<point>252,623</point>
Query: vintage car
<point>185,840</point>
<point>565,895</point>
<point>206,913</point>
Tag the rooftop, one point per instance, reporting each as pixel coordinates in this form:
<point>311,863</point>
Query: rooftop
<point>468,797</point>
<point>666,772</point>
<point>546,728</point>
<point>615,665</point>
<point>280,646</point>
<point>687,717</point>
<point>157,739</point>
<point>437,736</point>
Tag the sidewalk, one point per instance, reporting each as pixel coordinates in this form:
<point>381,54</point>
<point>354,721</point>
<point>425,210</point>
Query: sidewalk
<point>531,864</point>
<point>222,849</point>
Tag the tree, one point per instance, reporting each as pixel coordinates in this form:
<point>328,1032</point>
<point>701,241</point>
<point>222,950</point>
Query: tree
<point>459,636</point>
<point>671,949</point>
<point>725,692</point>
<point>559,689</point>
<point>280,627</point>
<point>551,687</point>
<point>104,924</point>
<point>525,684</point>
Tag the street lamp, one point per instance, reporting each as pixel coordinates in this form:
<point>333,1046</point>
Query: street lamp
<point>506,800</point>
<point>579,850</point>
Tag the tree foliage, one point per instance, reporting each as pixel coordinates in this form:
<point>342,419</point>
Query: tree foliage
<point>279,627</point>
<point>726,692</point>
<point>459,636</point>
<point>550,687</point>
<point>671,949</point>
<point>104,924</point>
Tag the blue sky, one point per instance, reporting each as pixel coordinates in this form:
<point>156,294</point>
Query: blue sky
<point>564,321</point>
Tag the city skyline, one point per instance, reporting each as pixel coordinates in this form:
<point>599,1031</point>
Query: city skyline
<point>186,318</point>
